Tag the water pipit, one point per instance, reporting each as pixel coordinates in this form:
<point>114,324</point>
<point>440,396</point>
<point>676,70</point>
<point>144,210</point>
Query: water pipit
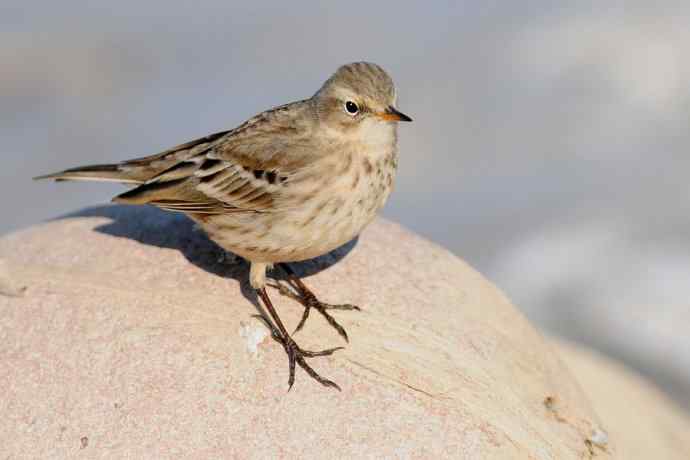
<point>292,183</point>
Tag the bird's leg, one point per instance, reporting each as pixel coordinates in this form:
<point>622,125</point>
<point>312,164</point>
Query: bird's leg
<point>309,300</point>
<point>296,355</point>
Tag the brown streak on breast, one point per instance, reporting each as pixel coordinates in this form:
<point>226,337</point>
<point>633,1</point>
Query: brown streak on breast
<point>368,167</point>
<point>228,227</point>
<point>339,203</point>
<point>264,234</point>
<point>355,180</point>
<point>314,214</point>
<point>346,164</point>
<point>307,197</point>
<point>322,205</point>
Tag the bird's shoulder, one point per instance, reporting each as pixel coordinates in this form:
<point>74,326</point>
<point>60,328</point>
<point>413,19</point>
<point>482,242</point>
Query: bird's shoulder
<point>279,138</point>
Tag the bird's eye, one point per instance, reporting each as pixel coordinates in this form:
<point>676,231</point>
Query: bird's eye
<point>351,108</point>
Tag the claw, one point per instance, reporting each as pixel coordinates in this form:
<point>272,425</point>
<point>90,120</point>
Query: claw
<point>326,352</point>
<point>317,377</point>
<point>296,356</point>
<point>302,321</point>
<point>335,325</point>
<point>345,306</point>
<point>292,358</point>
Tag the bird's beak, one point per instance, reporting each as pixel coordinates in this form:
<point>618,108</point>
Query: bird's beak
<point>392,114</point>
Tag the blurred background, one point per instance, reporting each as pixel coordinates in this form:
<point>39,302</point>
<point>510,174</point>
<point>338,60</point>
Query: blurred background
<point>549,147</point>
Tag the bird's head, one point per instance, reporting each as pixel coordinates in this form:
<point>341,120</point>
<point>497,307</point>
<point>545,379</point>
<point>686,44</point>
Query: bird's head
<point>356,95</point>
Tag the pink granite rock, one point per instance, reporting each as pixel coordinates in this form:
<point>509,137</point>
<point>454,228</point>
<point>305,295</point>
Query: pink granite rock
<point>641,420</point>
<point>133,338</point>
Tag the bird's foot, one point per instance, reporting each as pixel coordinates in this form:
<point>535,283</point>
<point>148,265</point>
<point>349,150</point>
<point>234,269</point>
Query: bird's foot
<point>309,301</point>
<point>297,355</point>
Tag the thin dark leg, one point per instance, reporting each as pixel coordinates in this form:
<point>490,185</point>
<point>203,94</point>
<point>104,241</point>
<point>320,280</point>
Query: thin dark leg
<point>307,298</point>
<point>295,354</point>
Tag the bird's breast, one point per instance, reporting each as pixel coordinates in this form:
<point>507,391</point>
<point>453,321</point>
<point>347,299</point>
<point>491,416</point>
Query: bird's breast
<point>323,207</point>
<point>354,186</point>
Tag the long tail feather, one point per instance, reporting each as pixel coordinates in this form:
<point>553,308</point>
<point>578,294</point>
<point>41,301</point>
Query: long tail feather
<point>138,170</point>
<point>101,173</point>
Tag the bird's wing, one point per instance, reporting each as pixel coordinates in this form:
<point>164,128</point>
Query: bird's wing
<point>150,166</point>
<point>244,170</point>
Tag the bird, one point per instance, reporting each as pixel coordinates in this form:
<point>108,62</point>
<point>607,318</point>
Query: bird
<point>289,184</point>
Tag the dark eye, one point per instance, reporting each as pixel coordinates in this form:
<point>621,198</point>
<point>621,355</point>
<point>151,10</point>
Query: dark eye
<point>351,108</point>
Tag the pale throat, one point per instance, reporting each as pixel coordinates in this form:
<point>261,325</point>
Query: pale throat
<point>378,138</point>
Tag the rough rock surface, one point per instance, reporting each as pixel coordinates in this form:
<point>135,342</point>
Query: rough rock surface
<point>642,421</point>
<point>128,333</point>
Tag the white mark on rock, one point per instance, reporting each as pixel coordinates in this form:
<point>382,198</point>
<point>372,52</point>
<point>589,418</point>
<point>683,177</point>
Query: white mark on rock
<point>253,334</point>
<point>599,437</point>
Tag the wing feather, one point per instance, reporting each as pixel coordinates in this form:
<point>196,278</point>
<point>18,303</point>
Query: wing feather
<point>243,170</point>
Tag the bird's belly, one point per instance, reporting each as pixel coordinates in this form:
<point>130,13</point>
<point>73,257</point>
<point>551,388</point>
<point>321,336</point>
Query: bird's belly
<point>334,216</point>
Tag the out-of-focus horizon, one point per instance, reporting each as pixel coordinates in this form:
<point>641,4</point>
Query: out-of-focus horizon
<point>549,147</point>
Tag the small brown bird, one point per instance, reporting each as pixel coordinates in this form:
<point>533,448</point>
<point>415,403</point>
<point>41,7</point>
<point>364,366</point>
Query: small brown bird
<point>289,184</point>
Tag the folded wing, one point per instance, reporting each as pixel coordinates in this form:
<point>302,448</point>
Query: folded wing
<point>245,170</point>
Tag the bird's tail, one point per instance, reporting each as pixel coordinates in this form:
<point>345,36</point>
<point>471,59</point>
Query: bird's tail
<point>101,173</point>
<point>139,170</point>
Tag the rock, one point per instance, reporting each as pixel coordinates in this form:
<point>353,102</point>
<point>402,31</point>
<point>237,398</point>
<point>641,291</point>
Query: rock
<point>8,286</point>
<point>136,337</point>
<point>642,420</point>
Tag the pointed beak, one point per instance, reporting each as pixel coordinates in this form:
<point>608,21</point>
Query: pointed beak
<point>392,114</point>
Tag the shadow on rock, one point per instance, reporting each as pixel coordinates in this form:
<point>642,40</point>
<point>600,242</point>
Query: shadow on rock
<point>152,226</point>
